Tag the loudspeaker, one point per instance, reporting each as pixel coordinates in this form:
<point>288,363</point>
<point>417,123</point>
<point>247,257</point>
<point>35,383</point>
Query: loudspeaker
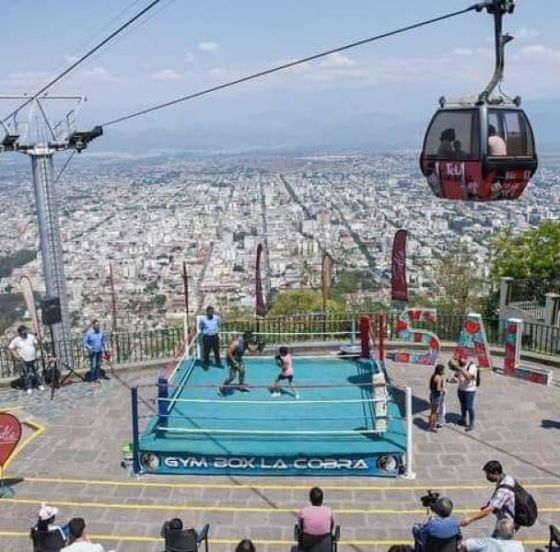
<point>50,307</point>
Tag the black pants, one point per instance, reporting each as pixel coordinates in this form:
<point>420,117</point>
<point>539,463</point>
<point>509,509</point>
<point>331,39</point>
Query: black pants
<point>211,343</point>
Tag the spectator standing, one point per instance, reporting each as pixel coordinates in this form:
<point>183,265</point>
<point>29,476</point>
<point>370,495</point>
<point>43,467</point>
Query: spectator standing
<point>502,541</point>
<point>79,541</point>
<point>502,501</point>
<point>466,375</point>
<point>95,343</point>
<point>440,524</point>
<point>316,520</point>
<point>24,348</point>
<point>437,398</point>
<point>209,327</point>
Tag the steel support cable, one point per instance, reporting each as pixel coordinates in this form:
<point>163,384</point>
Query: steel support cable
<point>290,64</point>
<point>83,58</point>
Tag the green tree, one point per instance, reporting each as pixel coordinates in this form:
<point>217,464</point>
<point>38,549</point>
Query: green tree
<point>301,301</point>
<point>533,254</point>
<point>458,283</point>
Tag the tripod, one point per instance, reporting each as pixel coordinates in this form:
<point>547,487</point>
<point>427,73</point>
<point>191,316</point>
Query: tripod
<point>53,371</point>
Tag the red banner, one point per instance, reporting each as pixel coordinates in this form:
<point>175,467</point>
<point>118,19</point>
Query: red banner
<point>399,288</point>
<point>326,279</point>
<point>10,434</point>
<point>260,305</point>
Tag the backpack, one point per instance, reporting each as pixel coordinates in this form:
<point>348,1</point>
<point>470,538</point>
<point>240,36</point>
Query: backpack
<point>526,512</point>
<point>478,378</point>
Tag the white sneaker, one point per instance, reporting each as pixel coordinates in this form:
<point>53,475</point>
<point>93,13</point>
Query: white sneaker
<point>296,396</point>
<point>41,387</point>
<point>29,391</point>
<point>275,395</point>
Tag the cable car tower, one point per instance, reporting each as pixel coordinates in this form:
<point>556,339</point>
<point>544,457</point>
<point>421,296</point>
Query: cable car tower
<point>40,137</point>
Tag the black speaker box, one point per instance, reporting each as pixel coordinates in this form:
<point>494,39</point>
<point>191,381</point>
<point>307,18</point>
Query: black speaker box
<point>50,307</point>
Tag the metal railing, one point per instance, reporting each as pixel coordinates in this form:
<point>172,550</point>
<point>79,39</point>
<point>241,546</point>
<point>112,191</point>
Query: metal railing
<point>529,295</point>
<point>136,346</point>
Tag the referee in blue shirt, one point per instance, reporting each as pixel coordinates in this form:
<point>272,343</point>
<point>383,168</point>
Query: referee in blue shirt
<point>209,327</point>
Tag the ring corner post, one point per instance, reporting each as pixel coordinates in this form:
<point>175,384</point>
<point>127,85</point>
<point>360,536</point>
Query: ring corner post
<point>135,431</point>
<point>409,466</point>
<point>163,403</point>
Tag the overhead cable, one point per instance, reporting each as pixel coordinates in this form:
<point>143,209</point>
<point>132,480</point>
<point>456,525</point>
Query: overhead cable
<point>289,64</point>
<point>83,58</point>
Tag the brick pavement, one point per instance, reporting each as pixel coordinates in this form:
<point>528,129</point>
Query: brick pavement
<point>86,426</point>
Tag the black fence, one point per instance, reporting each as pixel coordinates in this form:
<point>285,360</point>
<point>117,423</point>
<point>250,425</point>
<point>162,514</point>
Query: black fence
<point>318,327</point>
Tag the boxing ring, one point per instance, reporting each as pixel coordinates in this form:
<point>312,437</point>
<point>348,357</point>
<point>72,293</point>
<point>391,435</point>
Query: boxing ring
<point>346,421</point>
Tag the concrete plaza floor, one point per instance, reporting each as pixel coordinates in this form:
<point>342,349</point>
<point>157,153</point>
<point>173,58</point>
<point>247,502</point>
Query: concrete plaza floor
<point>74,465</point>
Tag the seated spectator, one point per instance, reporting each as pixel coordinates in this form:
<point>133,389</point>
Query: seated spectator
<point>440,525</point>
<point>46,522</point>
<point>79,541</point>
<point>496,144</point>
<point>179,539</point>
<point>246,545</point>
<point>502,541</point>
<point>316,519</point>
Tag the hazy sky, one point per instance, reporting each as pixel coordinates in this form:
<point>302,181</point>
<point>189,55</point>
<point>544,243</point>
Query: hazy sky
<point>188,45</point>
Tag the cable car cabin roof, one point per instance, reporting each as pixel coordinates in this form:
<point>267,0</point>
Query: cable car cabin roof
<point>479,152</point>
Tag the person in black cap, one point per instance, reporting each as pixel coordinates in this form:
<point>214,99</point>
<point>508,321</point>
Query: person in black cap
<point>234,361</point>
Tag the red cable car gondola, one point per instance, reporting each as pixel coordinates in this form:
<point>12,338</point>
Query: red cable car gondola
<point>482,150</point>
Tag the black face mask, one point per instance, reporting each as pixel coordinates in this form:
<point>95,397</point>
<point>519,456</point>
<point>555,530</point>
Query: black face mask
<point>210,315</point>
<point>23,335</point>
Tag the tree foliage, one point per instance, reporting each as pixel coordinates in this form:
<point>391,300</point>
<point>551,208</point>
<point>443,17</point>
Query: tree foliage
<point>301,301</point>
<point>16,259</point>
<point>458,283</point>
<point>533,254</point>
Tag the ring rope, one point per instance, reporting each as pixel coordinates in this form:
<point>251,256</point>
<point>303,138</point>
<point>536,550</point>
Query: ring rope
<point>283,403</point>
<point>269,432</point>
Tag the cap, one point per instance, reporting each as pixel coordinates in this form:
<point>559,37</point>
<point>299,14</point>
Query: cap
<point>47,512</point>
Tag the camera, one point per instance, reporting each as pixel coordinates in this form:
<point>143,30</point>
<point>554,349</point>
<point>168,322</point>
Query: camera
<point>430,500</point>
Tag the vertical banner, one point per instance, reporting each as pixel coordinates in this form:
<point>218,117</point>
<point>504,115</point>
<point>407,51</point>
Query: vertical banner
<point>399,288</point>
<point>514,331</point>
<point>29,297</point>
<point>326,279</point>
<point>260,308</point>
<point>10,434</point>
<point>473,342</point>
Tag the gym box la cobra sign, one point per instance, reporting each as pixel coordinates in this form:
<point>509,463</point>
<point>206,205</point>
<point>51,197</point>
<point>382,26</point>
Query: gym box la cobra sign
<point>10,435</point>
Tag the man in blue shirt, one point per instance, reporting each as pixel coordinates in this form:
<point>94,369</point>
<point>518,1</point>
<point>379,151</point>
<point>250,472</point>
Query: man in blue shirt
<point>439,525</point>
<point>95,343</point>
<point>209,327</point>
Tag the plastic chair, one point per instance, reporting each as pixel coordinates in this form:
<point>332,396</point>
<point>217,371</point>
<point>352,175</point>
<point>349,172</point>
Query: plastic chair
<point>316,543</point>
<point>185,541</point>
<point>433,544</point>
<point>554,537</point>
<point>47,541</point>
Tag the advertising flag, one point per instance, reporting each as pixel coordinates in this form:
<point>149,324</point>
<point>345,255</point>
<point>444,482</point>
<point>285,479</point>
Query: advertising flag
<point>260,305</point>
<point>326,278</point>
<point>399,288</point>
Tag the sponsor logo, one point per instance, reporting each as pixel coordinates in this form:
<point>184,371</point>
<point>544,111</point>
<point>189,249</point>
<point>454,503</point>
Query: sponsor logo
<point>261,463</point>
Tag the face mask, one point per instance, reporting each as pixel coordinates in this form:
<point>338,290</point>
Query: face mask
<point>23,334</point>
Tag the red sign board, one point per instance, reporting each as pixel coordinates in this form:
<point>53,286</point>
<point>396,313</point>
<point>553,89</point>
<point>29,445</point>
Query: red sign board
<point>10,434</point>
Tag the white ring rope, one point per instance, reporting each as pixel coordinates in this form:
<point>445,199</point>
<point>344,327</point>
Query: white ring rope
<point>349,332</point>
<point>271,402</point>
<point>268,432</point>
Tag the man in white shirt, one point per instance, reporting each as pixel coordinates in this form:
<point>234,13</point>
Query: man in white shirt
<point>78,538</point>
<point>496,145</point>
<point>501,541</point>
<point>209,327</point>
<point>24,348</point>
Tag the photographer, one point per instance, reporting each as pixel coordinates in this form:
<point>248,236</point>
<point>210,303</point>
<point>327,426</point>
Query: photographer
<point>440,524</point>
